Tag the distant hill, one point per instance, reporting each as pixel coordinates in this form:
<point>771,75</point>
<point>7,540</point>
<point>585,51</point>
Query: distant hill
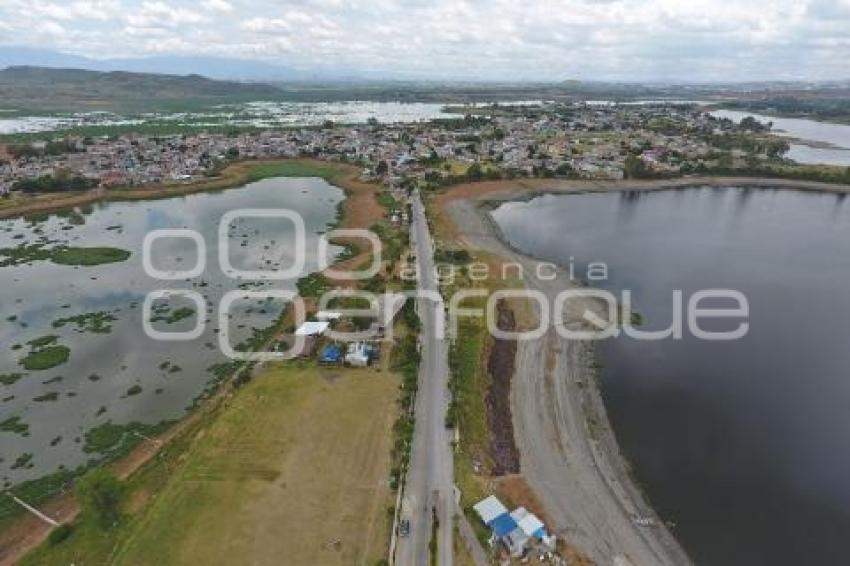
<point>77,89</point>
<point>212,67</point>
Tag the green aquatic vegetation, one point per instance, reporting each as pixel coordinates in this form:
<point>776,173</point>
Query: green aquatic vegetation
<point>43,341</point>
<point>103,438</point>
<point>10,378</point>
<point>169,367</point>
<point>134,390</point>
<point>63,255</point>
<point>173,316</point>
<point>15,425</point>
<point>23,461</point>
<point>109,437</point>
<point>46,358</point>
<point>52,396</point>
<point>95,322</point>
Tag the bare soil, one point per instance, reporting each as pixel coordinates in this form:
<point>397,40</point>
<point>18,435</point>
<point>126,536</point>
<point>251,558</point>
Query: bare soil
<point>500,364</point>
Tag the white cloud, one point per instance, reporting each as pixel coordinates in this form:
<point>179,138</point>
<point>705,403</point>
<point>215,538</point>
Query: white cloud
<point>543,39</point>
<point>217,5</point>
<point>263,25</point>
<point>156,13</point>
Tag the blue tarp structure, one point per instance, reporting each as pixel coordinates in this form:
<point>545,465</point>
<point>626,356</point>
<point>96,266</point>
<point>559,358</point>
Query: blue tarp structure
<point>332,354</point>
<point>503,525</point>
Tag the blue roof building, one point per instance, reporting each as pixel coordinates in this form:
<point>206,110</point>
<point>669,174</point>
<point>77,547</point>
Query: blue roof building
<point>331,354</point>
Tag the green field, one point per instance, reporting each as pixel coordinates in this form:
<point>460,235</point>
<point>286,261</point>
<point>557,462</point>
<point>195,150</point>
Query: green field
<point>295,464</point>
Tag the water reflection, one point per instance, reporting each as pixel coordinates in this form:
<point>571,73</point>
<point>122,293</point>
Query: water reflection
<point>35,295</point>
<point>741,444</point>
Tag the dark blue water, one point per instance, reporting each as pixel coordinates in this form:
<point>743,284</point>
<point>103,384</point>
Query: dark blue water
<point>744,445</point>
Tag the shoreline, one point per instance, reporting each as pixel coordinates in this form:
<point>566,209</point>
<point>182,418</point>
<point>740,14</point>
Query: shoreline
<point>24,532</point>
<point>569,452</point>
<point>236,174</point>
<point>577,470</point>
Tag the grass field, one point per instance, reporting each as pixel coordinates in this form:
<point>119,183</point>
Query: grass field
<point>296,465</point>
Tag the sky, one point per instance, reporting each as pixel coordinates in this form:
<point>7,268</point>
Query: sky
<point>626,40</point>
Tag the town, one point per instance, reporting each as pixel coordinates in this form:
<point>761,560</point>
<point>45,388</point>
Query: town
<point>567,140</point>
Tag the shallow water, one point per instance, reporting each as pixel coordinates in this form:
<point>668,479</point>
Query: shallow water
<point>744,445</point>
<point>837,135</point>
<point>255,114</point>
<point>38,294</point>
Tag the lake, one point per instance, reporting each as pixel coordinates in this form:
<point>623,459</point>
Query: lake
<point>254,114</point>
<point>121,375</point>
<point>836,135</point>
<point>744,445</point>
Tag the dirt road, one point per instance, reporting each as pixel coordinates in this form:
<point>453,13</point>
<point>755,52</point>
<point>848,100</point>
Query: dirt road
<point>569,455</point>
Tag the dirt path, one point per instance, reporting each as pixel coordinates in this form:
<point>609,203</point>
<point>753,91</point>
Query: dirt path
<point>26,533</point>
<point>569,454</point>
<point>360,210</point>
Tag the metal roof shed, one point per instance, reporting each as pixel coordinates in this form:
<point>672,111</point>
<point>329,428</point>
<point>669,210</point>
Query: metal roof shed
<point>531,525</point>
<point>490,508</point>
<point>312,328</point>
<point>503,525</point>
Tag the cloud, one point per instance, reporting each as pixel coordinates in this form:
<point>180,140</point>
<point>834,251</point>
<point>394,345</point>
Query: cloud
<point>51,28</point>
<point>217,5</point>
<point>263,25</point>
<point>156,14</point>
<point>499,39</point>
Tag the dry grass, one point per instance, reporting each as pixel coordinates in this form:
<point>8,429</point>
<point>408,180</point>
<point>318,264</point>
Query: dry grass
<point>295,467</point>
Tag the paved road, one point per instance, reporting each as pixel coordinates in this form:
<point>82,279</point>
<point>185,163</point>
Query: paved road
<point>430,479</point>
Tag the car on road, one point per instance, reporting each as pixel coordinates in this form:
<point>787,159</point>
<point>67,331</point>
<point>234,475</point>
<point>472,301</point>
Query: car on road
<point>404,528</point>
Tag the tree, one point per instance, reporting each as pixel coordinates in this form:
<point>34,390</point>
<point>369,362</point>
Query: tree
<point>635,168</point>
<point>100,494</point>
<point>382,168</point>
<point>750,124</point>
<point>474,172</point>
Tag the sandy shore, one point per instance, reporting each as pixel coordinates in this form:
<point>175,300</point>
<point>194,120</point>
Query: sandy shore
<point>569,453</point>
